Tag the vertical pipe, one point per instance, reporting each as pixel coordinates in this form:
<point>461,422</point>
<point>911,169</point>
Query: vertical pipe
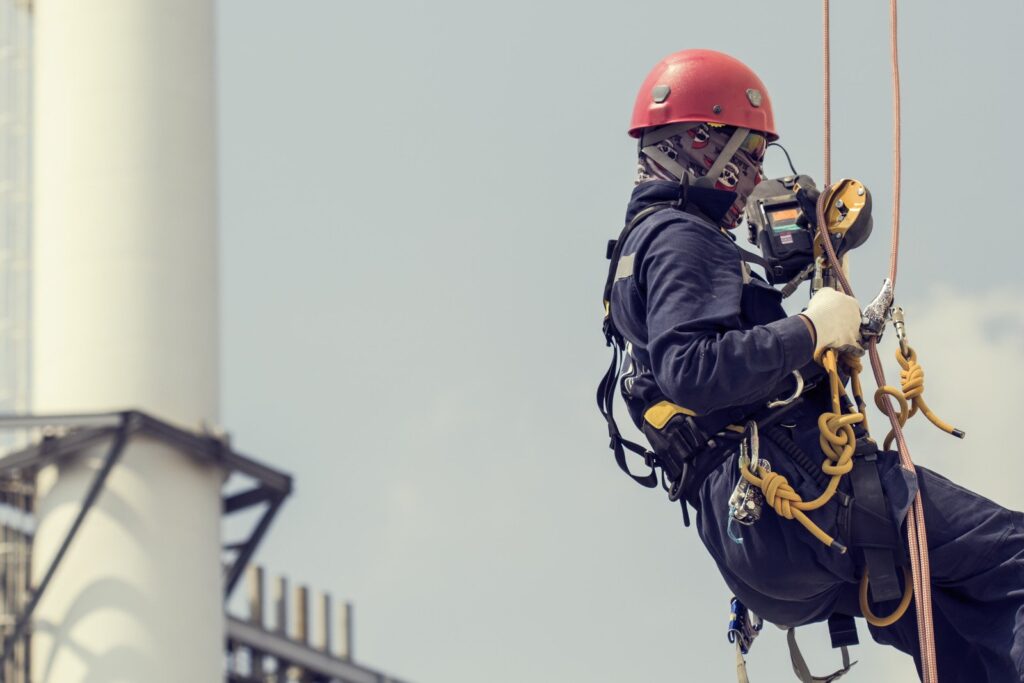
<point>255,581</point>
<point>323,636</point>
<point>125,314</point>
<point>345,635</point>
<point>281,605</point>
<point>280,618</point>
<point>302,614</point>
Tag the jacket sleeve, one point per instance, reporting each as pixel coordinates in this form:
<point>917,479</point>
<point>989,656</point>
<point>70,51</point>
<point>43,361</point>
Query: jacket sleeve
<point>701,356</point>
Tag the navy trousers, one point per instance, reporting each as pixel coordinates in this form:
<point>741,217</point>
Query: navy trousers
<point>788,577</point>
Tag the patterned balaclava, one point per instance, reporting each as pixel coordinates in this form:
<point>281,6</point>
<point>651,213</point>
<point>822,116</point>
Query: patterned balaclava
<point>695,147</point>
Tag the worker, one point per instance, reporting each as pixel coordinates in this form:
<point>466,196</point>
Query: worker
<point>707,344</point>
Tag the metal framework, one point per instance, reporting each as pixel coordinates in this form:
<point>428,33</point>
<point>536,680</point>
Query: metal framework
<point>257,655</point>
<point>63,436</point>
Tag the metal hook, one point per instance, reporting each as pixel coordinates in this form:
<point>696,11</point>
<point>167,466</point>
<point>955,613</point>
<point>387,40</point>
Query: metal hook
<point>796,392</point>
<point>753,455</point>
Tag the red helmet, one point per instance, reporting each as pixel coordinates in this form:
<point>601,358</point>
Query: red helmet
<point>703,85</point>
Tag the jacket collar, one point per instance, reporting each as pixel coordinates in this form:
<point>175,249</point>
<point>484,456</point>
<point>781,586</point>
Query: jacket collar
<point>707,204</point>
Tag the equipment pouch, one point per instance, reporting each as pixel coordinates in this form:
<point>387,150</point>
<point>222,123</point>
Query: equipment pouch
<point>674,437</point>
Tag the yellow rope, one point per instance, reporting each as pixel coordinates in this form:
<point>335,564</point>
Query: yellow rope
<point>910,396</point>
<point>838,442</point>
<point>912,382</point>
<point>865,604</point>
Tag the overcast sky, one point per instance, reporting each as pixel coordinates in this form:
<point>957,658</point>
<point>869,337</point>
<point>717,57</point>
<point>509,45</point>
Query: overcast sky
<point>415,199</point>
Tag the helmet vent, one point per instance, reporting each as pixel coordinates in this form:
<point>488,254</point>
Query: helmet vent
<point>754,95</point>
<point>659,93</point>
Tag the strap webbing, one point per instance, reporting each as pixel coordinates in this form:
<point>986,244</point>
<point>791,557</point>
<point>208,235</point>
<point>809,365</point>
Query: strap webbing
<point>800,665</point>
<point>739,136</point>
<point>606,404</point>
<point>741,665</point>
<point>616,254</point>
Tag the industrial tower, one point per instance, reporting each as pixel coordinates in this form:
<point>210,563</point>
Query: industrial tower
<point>114,479</point>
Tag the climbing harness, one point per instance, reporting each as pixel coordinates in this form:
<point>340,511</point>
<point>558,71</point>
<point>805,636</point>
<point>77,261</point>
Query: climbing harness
<point>676,434</point>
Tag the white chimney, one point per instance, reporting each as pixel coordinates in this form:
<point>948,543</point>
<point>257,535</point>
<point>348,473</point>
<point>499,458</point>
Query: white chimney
<point>125,315</point>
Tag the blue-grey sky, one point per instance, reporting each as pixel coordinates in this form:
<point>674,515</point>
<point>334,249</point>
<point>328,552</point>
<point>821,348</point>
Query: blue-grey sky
<point>415,198</point>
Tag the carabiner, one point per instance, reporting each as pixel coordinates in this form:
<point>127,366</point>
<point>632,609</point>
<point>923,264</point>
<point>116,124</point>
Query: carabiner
<point>796,392</point>
<point>899,322</point>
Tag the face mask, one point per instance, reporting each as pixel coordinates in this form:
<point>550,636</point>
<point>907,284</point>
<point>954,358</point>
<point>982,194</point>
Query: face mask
<point>694,150</point>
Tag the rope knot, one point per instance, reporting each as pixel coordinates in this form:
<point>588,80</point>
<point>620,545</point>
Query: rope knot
<point>778,493</point>
<point>911,378</point>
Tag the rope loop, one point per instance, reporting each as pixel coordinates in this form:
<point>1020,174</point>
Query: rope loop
<point>889,620</point>
<point>912,384</point>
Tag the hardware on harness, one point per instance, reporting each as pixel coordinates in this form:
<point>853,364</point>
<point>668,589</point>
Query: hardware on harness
<point>744,626</point>
<point>747,500</point>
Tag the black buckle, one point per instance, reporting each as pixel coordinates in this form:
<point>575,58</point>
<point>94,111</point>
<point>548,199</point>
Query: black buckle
<point>842,630</point>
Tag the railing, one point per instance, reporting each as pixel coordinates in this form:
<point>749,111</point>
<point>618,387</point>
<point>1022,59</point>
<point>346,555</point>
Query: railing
<point>291,653</point>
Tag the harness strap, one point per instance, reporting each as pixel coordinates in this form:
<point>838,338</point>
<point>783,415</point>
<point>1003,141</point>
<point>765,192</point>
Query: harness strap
<point>613,338</point>
<point>800,665</point>
<point>606,404</point>
<point>842,630</point>
<point>871,528</point>
<point>750,257</point>
<point>614,253</point>
<point>741,665</point>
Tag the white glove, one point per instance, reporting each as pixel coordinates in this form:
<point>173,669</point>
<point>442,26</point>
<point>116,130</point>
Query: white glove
<point>836,320</point>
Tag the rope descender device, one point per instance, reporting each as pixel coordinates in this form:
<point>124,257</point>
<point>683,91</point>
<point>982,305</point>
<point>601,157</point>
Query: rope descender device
<point>744,627</point>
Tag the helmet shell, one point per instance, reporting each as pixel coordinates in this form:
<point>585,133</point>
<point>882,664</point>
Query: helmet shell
<point>697,86</point>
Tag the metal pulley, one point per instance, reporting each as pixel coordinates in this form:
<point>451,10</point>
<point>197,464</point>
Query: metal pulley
<point>848,213</point>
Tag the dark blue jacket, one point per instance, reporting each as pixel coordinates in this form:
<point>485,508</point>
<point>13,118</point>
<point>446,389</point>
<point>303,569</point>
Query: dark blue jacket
<point>708,335</point>
<point>707,331</point>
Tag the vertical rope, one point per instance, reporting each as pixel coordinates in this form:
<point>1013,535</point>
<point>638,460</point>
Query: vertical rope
<point>827,89</point>
<point>917,538</point>
<point>917,535</point>
<point>896,141</point>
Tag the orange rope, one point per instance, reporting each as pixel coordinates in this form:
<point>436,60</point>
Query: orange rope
<point>827,63</point>
<point>917,540</point>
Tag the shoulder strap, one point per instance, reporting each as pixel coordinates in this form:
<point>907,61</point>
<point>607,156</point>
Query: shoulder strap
<point>606,388</point>
<point>613,254</point>
<point>753,258</point>
<point>606,404</point>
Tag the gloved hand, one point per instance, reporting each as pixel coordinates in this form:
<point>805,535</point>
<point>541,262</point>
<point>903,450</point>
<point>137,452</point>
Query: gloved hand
<point>836,320</point>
